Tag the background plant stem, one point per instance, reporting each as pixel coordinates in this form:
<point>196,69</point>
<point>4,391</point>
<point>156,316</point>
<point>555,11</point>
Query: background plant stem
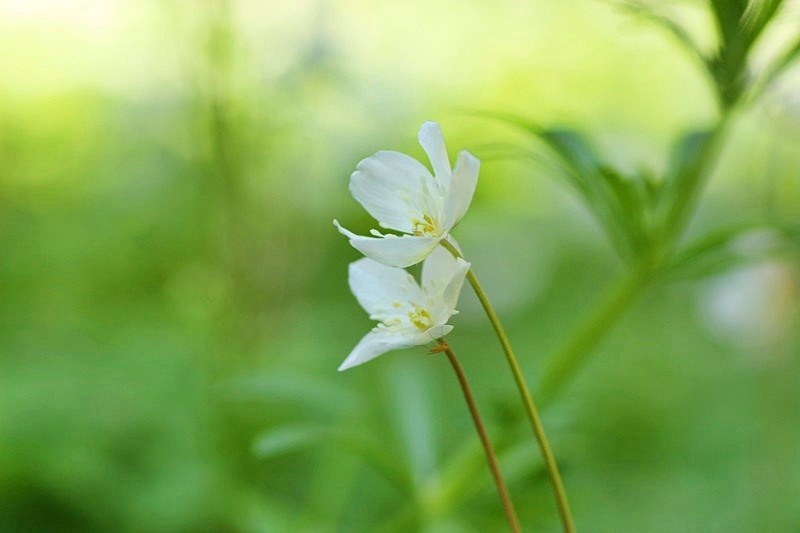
<point>576,351</point>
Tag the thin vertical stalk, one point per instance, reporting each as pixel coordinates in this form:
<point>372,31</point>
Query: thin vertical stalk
<point>491,457</point>
<point>527,399</point>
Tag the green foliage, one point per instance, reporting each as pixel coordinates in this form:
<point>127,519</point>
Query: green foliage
<point>173,298</point>
<point>736,247</point>
<point>643,216</point>
<point>739,25</point>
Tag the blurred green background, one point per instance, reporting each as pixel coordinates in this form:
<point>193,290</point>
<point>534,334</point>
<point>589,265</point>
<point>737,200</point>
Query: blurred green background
<point>174,301</point>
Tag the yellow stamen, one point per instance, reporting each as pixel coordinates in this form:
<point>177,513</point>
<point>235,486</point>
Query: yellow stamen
<point>420,318</point>
<point>423,227</point>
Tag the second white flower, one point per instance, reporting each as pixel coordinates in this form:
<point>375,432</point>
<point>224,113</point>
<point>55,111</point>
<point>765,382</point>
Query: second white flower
<point>409,314</point>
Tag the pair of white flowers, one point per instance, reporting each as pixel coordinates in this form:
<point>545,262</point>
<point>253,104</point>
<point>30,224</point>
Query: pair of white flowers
<point>403,195</point>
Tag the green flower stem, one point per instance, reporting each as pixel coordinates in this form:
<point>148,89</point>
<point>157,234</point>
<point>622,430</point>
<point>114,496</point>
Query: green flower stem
<point>491,458</point>
<point>530,407</point>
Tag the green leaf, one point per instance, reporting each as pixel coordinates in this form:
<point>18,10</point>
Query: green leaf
<point>740,25</point>
<point>649,13</point>
<point>619,204</point>
<point>685,162</point>
<point>778,67</point>
<point>609,194</point>
<point>287,440</point>
<point>411,414</point>
<point>757,16</point>
<point>728,68</point>
<point>729,15</point>
<point>725,250</point>
<point>573,148</point>
<point>685,151</point>
<point>559,144</point>
<point>631,203</point>
<point>294,389</point>
<point>296,438</point>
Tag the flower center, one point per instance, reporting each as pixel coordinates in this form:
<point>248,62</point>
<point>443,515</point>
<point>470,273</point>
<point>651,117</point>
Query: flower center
<point>420,318</point>
<point>423,227</point>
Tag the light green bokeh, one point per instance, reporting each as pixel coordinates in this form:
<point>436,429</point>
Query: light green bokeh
<point>173,295</point>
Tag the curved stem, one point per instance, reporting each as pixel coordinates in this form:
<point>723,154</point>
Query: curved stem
<point>491,458</point>
<point>530,407</point>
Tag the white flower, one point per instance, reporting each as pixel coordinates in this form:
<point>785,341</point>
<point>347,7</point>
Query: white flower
<point>402,195</point>
<point>409,315</point>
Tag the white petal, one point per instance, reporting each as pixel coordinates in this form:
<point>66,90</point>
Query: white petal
<point>432,141</point>
<point>465,179</point>
<point>372,345</point>
<point>442,278</point>
<point>380,184</point>
<point>437,269</point>
<point>392,250</point>
<point>453,289</point>
<point>377,287</point>
<point>433,333</point>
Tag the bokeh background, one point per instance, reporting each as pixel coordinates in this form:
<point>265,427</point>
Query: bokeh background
<point>174,302</point>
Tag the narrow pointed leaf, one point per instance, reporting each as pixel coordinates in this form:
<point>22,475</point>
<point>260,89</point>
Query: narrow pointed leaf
<point>718,252</point>
<point>684,164</point>
<point>673,28</point>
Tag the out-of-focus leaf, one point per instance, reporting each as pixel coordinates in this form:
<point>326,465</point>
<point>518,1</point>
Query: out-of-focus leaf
<point>778,67</point>
<point>686,152</point>
<point>572,149</point>
<point>630,200</point>
<point>637,197</point>
<point>685,162</point>
<point>287,440</point>
<point>648,12</point>
<point>728,66</point>
<point>294,389</point>
<point>734,247</point>
<point>411,396</point>
<point>650,188</point>
<point>620,204</point>
<point>300,437</point>
<point>757,15</point>
<point>791,55</point>
<point>740,24</point>
<point>729,14</point>
<point>606,192</point>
